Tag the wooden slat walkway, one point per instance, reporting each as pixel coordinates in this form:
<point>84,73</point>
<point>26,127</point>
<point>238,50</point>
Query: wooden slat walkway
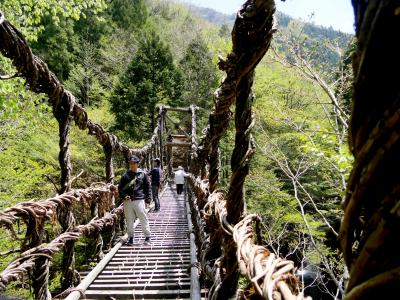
<point>160,270</point>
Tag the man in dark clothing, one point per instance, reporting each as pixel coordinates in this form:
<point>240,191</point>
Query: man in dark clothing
<point>156,175</point>
<point>134,189</point>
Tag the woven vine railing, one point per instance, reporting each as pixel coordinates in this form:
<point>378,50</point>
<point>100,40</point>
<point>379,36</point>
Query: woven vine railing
<point>225,233</point>
<point>93,206</point>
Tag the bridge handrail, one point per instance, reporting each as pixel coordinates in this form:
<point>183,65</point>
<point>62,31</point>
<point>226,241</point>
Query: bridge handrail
<point>27,261</point>
<point>46,210</point>
<point>255,262</point>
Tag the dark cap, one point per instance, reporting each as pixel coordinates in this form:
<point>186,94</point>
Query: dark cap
<point>157,159</point>
<point>134,159</point>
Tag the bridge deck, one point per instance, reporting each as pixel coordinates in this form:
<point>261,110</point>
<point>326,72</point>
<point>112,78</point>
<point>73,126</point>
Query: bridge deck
<point>160,270</point>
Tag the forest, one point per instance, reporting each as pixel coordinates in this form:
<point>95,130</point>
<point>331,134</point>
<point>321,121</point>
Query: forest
<point>122,58</point>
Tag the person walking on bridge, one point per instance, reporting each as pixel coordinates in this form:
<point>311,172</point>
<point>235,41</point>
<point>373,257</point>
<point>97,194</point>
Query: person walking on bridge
<point>156,175</point>
<point>134,189</point>
<point>180,179</point>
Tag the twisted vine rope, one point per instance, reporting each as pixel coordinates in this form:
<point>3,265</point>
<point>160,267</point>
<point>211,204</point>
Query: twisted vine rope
<point>46,210</point>
<point>259,265</point>
<point>26,261</point>
<point>272,277</point>
<point>40,79</point>
<point>52,210</point>
<point>369,232</point>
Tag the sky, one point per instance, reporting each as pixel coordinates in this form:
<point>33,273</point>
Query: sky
<point>335,13</point>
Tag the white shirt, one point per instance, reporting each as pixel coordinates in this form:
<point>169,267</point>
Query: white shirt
<point>180,177</point>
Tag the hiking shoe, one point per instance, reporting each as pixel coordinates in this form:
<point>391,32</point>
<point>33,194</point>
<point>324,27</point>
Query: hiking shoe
<point>130,241</point>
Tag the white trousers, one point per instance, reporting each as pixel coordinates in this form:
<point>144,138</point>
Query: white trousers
<point>133,210</point>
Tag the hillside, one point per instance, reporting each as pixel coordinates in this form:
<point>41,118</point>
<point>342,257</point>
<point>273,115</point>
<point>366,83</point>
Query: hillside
<point>315,34</point>
<point>211,15</point>
<point>314,31</point>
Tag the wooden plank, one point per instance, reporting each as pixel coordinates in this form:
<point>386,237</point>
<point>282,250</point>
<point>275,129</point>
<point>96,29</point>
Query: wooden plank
<point>129,262</point>
<point>179,136</point>
<point>156,247</point>
<point>83,285</point>
<point>180,109</point>
<point>167,272</point>
<point>182,249</point>
<point>153,255</point>
<point>144,267</point>
<point>176,144</point>
<point>159,277</point>
<point>182,272</point>
<point>138,294</point>
<point>140,286</point>
<point>115,280</point>
<point>194,271</point>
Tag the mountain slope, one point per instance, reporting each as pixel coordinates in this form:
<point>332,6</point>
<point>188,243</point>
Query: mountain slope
<point>314,35</point>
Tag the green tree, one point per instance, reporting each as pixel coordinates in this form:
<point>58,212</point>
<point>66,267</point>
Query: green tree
<point>94,26</point>
<point>200,74</point>
<point>86,77</point>
<point>29,13</point>
<point>129,14</point>
<point>63,41</point>
<point>344,77</point>
<point>151,77</point>
<point>224,30</point>
<point>116,52</point>
<point>57,45</point>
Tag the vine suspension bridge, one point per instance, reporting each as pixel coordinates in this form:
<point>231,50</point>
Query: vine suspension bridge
<point>203,242</point>
<point>221,239</point>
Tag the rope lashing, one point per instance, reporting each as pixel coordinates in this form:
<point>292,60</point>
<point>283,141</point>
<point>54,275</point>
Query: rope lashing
<point>256,262</point>
<point>216,206</point>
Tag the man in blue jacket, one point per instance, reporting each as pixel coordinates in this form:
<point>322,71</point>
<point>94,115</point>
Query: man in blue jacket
<point>156,175</point>
<point>134,189</point>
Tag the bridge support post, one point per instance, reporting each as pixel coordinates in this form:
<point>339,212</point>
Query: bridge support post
<point>40,279</point>
<point>108,153</point>
<point>69,275</point>
<point>229,266</point>
<point>158,147</point>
